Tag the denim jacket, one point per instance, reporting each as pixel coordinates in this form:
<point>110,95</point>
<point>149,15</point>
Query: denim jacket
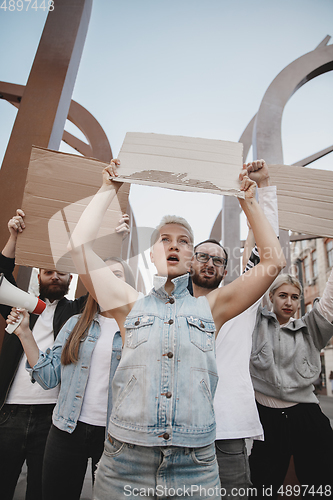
<point>165,383</point>
<point>49,372</point>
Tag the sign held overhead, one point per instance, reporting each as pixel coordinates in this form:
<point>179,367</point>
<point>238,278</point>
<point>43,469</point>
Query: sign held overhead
<point>182,163</point>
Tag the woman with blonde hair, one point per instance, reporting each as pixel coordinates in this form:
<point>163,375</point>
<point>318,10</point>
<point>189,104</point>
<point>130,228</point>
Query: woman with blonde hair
<point>285,363</point>
<point>161,431</point>
<point>83,360</point>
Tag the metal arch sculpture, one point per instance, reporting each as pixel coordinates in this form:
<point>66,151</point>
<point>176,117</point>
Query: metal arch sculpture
<point>44,107</point>
<point>45,103</point>
<point>263,132</point>
<point>97,145</point>
<point>266,140</point>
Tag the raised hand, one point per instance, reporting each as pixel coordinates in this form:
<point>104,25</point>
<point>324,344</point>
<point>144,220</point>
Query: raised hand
<point>248,186</point>
<point>258,172</point>
<point>123,225</point>
<point>110,171</point>
<point>16,224</point>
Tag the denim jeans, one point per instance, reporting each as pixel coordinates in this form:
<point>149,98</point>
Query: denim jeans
<point>23,434</point>
<point>128,471</point>
<point>66,459</point>
<point>234,468</point>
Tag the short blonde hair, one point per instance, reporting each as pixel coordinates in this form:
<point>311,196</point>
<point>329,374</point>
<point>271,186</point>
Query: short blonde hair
<point>285,279</point>
<point>171,219</point>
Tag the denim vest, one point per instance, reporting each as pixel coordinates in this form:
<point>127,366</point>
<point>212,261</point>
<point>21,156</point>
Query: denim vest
<point>49,372</point>
<point>165,383</point>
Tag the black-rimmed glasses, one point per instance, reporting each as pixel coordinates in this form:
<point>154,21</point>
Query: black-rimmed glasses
<point>204,257</point>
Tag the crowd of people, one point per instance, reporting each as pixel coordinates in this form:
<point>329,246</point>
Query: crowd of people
<point>163,391</point>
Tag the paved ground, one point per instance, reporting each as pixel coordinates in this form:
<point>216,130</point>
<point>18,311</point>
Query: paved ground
<point>326,403</point>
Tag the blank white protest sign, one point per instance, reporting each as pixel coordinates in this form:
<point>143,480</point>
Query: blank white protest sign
<point>182,163</point>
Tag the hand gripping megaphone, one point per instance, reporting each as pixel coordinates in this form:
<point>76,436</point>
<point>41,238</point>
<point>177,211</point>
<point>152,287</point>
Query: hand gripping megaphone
<point>10,295</point>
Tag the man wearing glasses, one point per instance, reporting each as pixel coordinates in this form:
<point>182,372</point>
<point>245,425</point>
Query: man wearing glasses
<point>235,409</point>
<point>210,275</point>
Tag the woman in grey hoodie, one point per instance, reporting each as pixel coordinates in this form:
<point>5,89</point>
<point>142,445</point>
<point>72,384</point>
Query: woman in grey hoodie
<point>285,362</point>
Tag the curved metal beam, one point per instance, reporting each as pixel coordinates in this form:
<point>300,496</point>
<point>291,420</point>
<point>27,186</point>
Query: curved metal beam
<point>92,130</point>
<point>312,158</point>
<point>98,144</point>
<point>246,137</point>
<point>267,142</point>
<point>44,106</point>
<point>246,140</point>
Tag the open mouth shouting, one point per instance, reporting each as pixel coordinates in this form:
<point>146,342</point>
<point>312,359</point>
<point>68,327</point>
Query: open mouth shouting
<point>173,258</point>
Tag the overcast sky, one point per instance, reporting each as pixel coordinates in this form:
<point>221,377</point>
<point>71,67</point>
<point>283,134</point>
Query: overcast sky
<point>185,67</point>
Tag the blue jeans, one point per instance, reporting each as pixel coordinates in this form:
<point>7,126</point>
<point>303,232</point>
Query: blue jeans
<point>234,468</point>
<point>66,460</point>
<point>23,433</point>
<point>128,471</point>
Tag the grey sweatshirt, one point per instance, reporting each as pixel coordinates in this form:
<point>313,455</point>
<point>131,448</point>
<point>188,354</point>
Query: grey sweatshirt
<point>285,361</point>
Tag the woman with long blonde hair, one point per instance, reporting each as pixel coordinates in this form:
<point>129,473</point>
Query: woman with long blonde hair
<point>161,431</point>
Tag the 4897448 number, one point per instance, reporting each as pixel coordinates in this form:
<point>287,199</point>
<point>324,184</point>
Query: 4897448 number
<point>25,5</point>
<point>298,490</point>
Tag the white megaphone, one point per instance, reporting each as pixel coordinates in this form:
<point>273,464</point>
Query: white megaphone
<point>10,295</point>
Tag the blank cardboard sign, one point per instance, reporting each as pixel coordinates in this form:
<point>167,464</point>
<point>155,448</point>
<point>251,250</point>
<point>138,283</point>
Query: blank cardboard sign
<point>59,186</point>
<point>304,198</point>
<point>182,163</point>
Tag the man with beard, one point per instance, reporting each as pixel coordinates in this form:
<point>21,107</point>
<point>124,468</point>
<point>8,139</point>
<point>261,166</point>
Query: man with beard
<point>208,266</point>
<point>26,408</point>
<point>234,404</point>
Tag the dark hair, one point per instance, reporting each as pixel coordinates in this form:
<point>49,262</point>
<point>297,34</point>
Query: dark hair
<point>212,240</point>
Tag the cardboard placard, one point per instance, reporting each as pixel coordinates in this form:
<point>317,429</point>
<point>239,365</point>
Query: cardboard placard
<point>182,163</point>
<point>59,186</point>
<point>305,199</point>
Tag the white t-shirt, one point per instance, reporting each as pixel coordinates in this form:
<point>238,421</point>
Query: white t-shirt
<point>234,403</point>
<point>23,391</point>
<point>94,406</point>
